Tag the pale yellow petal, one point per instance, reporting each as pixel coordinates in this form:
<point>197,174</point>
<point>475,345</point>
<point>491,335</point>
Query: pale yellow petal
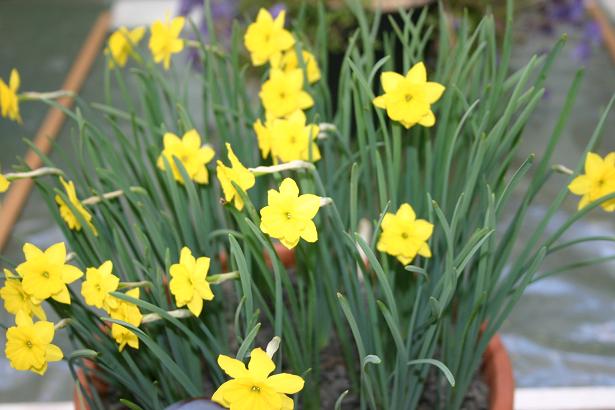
<point>56,253</point>
<point>379,102</point>
<point>580,185</point>
<point>418,73</point>
<point>63,296</point>
<point>390,80</point>
<point>260,364</point>
<point>286,383</point>
<point>593,164</point>
<point>232,367</point>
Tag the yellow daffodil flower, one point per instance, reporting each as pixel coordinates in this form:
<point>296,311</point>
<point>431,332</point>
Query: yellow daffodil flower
<point>236,173</point>
<point>121,45</point>
<point>253,388</point>
<point>263,137</point>
<point>289,61</point>
<point>292,139</point>
<point>67,214</point>
<point>282,94</point>
<point>128,313</point>
<point>190,153</point>
<point>408,99</point>
<point>45,273</point>
<point>4,183</point>
<point>9,100</point>
<point>189,281</point>
<point>598,181</point>
<point>288,215</point>
<point>266,37</point>
<point>28,345</point>
<point>404,236</point>
<point>99,282</point>
<point>17,300</point>
<point>165,40</point>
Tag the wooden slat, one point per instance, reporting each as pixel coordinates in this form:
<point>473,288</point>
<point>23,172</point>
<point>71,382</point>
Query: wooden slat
<point>606,28</point>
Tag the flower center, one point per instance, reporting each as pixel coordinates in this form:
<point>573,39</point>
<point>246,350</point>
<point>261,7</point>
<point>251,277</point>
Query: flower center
<point>29,344</point>
<point>255,389</point>
<point>408,97</point>
<point>288,215</point>
<point>184,158</point>
<point>283,95</point>
<point>45,274</point>
<point>404,235</point>
<point>98,288</point>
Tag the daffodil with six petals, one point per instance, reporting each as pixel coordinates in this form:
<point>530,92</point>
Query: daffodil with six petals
<point>28,345</point>
<point>403,236</point>
<point>267,38</point>
<point>189,153</point>
<point>407,99</point>
<point>289,216</point>
<point>253,388</point>
<point>45,273</point>
<point>597,182</point>
<point>189,281</point>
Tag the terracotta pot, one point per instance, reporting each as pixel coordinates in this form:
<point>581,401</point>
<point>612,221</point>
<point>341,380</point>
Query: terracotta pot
<point>496,368</point>
<point>498,373</point>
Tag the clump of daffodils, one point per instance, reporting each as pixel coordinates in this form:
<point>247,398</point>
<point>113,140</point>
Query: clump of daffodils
<point>191,264</point>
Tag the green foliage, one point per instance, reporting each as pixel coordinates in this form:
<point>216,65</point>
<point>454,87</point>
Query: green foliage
<point>392,324</point>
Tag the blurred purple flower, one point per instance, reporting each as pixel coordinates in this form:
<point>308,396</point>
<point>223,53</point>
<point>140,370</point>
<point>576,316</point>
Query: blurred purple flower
<point>566,11</point>
<point>592,37</point>
<point>277,9</point>
<point>223,9</point>
<point>222,12</point>
<point>186,6</point>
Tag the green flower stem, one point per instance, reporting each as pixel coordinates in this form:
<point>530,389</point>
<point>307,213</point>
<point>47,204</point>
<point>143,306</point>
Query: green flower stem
<point>39,172</point>
<point>53,95</point>
<point>289,166</point>
<point>130,285</point>
<point>206,47</point>
<point>177,313</point>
